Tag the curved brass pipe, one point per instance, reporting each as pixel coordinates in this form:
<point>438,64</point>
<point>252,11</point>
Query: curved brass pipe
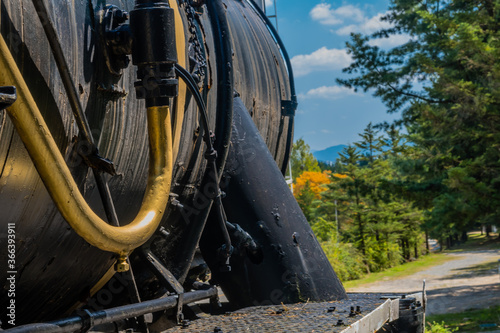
<point>60,184</point>
<point>180,101</point>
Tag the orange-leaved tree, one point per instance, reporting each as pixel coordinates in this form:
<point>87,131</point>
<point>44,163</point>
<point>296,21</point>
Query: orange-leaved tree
<point>308,188</point>
<point>318,182</point>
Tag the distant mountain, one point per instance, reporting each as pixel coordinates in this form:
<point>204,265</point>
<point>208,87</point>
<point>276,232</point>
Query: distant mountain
<point>329,154</point>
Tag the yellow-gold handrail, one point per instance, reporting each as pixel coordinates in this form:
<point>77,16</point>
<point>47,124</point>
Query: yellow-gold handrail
<point>180,101</point>
<point>60,184</point>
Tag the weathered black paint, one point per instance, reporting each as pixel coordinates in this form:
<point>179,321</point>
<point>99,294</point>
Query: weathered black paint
<point>260,76</point>
<point>87,320</point>
<point>294,268</point>
<point>56,268</point>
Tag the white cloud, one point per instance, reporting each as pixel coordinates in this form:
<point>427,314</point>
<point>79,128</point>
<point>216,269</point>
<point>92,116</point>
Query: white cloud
<point>329,92</point>
<point>354,20</point>
<point>320,60</point>
<point>392,41</point>
<point>368,26</point>
<point>371,25</point>
<point>269,3</point>
<point>376,23</point>
<point>351,12</point>
<point>328,16</point>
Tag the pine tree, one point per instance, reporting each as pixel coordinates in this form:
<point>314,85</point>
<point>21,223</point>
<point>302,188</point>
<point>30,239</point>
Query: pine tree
<point>370,145</point>
<point>302,159</point>
<point>354,187</point>
<point>444,81</point>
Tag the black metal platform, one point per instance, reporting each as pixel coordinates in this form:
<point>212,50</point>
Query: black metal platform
<point>303,317</point>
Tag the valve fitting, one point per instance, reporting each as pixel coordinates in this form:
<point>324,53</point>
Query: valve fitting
<point>122,264</point>
<point>154,51</point>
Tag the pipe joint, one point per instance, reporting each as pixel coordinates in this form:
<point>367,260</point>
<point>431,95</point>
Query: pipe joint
<point>154,51</point>
<point>58,180</point>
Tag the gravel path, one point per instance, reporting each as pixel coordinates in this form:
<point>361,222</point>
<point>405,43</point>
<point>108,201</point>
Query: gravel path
<point>465,282</point>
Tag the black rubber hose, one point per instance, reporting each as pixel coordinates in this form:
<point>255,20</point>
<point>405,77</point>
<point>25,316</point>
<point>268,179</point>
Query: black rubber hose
<point>224,108</point>
<point>225,82</point>
<point>192,86</point>
<point>221,56</point>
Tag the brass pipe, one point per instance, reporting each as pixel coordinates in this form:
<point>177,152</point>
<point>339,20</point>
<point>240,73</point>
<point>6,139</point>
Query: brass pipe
<point>180,101</point>
<point>60,184</point>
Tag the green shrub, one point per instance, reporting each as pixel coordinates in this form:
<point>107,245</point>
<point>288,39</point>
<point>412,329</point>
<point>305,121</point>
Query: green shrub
<point>345,259</point>
<point>382,255</point>
<point>438,328</point>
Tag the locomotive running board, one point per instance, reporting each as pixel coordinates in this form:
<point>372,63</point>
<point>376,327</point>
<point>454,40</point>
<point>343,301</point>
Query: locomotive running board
<point>361,313</point>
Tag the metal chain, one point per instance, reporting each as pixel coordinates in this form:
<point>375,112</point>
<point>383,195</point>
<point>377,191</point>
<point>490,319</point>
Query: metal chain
<point>196,53</point>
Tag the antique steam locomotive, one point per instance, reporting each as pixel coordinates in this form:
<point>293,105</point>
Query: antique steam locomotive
<point>142,150</point>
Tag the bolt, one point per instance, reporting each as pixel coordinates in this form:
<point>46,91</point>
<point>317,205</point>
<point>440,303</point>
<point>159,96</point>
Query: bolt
<point>122,264</point>
<point>177,203</point>
<point>331,309</point>
<point>164,232</point>
<point>217,330</point>
<point>352,313</point>
<point>340,322</point>
<point>358,309</point>
<point>120,16</point>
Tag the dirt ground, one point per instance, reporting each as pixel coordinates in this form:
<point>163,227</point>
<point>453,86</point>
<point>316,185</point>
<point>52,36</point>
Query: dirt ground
<point>470,281</point>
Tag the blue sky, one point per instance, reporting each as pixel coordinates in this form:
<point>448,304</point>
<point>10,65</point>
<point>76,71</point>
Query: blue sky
<point>315,33</point>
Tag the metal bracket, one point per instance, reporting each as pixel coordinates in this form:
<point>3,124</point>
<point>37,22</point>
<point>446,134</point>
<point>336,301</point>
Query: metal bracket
<point>167,279</point>
<point>215,304</point>
<point>87,320</point>
<point>8,95</point>
<point>288,108</point>
<point>116,38</point>
<point>180,315</point>
<point>161,272</point>
<point>90,155</point>
<point>100,163</point>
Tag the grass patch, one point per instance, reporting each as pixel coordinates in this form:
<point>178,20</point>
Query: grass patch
<point>477,241</point>
<point>400,271</point>
<point>470,321</point>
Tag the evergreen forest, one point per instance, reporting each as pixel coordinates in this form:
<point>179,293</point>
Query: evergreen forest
<point>433,173</point>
